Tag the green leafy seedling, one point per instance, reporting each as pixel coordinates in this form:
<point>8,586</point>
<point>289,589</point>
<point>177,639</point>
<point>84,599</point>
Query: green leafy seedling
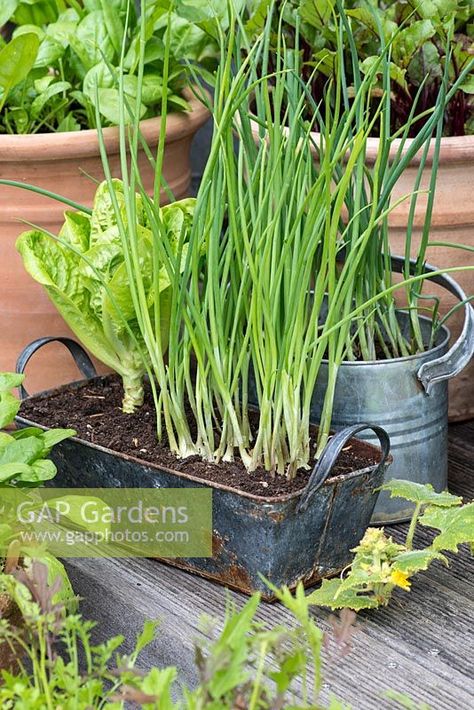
<point>456,526</point>
<point>380,565</point>
<point>16,61</point>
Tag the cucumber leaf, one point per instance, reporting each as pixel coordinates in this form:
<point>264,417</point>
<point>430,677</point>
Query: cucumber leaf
<point>330,595</point>
<point>420,493</point>
<point>413,561</point>
<point>456,526</point>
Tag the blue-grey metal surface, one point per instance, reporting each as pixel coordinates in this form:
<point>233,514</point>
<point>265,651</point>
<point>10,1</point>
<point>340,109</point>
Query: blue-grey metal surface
<point>460,354</point>
<point>251,535</point>
<point>79,355</point>
<point>408,397</point>
<point>302,536</point>
<point>388,392</point>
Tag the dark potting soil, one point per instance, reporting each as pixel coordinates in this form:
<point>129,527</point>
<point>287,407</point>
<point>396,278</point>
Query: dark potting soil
<point>93,409</point>
<point>380,355</point>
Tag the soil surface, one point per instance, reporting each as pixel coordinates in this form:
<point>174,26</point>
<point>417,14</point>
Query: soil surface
<point>9,612</point>
<point>93,409</point>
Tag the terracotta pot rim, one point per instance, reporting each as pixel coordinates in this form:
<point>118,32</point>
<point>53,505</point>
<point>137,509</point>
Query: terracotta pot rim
<point>453,149</point>
<point>70,144</point>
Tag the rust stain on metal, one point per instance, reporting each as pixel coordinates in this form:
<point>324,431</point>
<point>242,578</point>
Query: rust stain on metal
<point>258,512</point>
<point>277,517</point>
<point>317,574</point>
<point>234,576</point>
<point>238,577</point>
<point>359,491</point>
<point>217,543</point>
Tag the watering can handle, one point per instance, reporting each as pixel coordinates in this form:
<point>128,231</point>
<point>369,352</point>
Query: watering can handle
<point>328,458</point>
<point>81,358</point>
<point>458,356</point>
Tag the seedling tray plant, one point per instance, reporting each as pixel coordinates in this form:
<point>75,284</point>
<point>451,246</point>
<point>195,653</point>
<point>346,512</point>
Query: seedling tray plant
<point>24,464</point>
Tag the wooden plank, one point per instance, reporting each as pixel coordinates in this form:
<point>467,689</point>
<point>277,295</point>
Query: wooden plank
<point>421,644</point>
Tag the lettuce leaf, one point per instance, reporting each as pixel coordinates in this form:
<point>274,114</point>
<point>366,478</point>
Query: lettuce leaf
<point>85,274</point>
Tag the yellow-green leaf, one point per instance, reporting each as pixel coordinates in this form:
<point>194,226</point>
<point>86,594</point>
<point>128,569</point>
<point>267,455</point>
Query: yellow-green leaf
<point>16,61</point>
<point>420,493</point>
<point>329,595</point>
<point>456,526</point>
<point>413,561</point>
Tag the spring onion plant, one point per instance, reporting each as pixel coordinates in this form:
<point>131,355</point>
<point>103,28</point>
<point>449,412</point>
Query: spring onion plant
<point>282,263</point>
<point>378,331</point>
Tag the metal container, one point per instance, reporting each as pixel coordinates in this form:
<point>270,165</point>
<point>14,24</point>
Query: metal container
<point>301,536</point>
<point>408,397</point>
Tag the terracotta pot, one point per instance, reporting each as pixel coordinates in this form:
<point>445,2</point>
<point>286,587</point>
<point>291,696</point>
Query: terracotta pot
<point>452,222</point>
<point>65,163</point>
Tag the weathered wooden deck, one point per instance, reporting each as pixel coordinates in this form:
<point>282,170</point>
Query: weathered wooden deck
<point>421,644</point>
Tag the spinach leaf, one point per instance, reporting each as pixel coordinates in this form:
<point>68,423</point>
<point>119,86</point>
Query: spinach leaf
<point>62,62</point>
<point>7,9</point>
<point>16,61</point>
<point>23,453</point>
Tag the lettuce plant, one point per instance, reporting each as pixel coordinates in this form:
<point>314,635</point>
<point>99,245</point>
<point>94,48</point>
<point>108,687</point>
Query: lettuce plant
<point>59,63</point>
<point>86,276</point>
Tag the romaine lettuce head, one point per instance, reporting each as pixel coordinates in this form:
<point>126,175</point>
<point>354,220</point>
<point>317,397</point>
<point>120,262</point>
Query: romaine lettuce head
<point>87,277</point>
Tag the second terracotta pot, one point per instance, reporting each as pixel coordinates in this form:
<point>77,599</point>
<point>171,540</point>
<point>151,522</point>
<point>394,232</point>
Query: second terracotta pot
<point>68,164</point>
<point>452,223</point>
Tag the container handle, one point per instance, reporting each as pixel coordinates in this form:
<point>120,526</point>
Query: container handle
<point>81,358</point>
<point>328,458</point>
<point>459,355</point>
